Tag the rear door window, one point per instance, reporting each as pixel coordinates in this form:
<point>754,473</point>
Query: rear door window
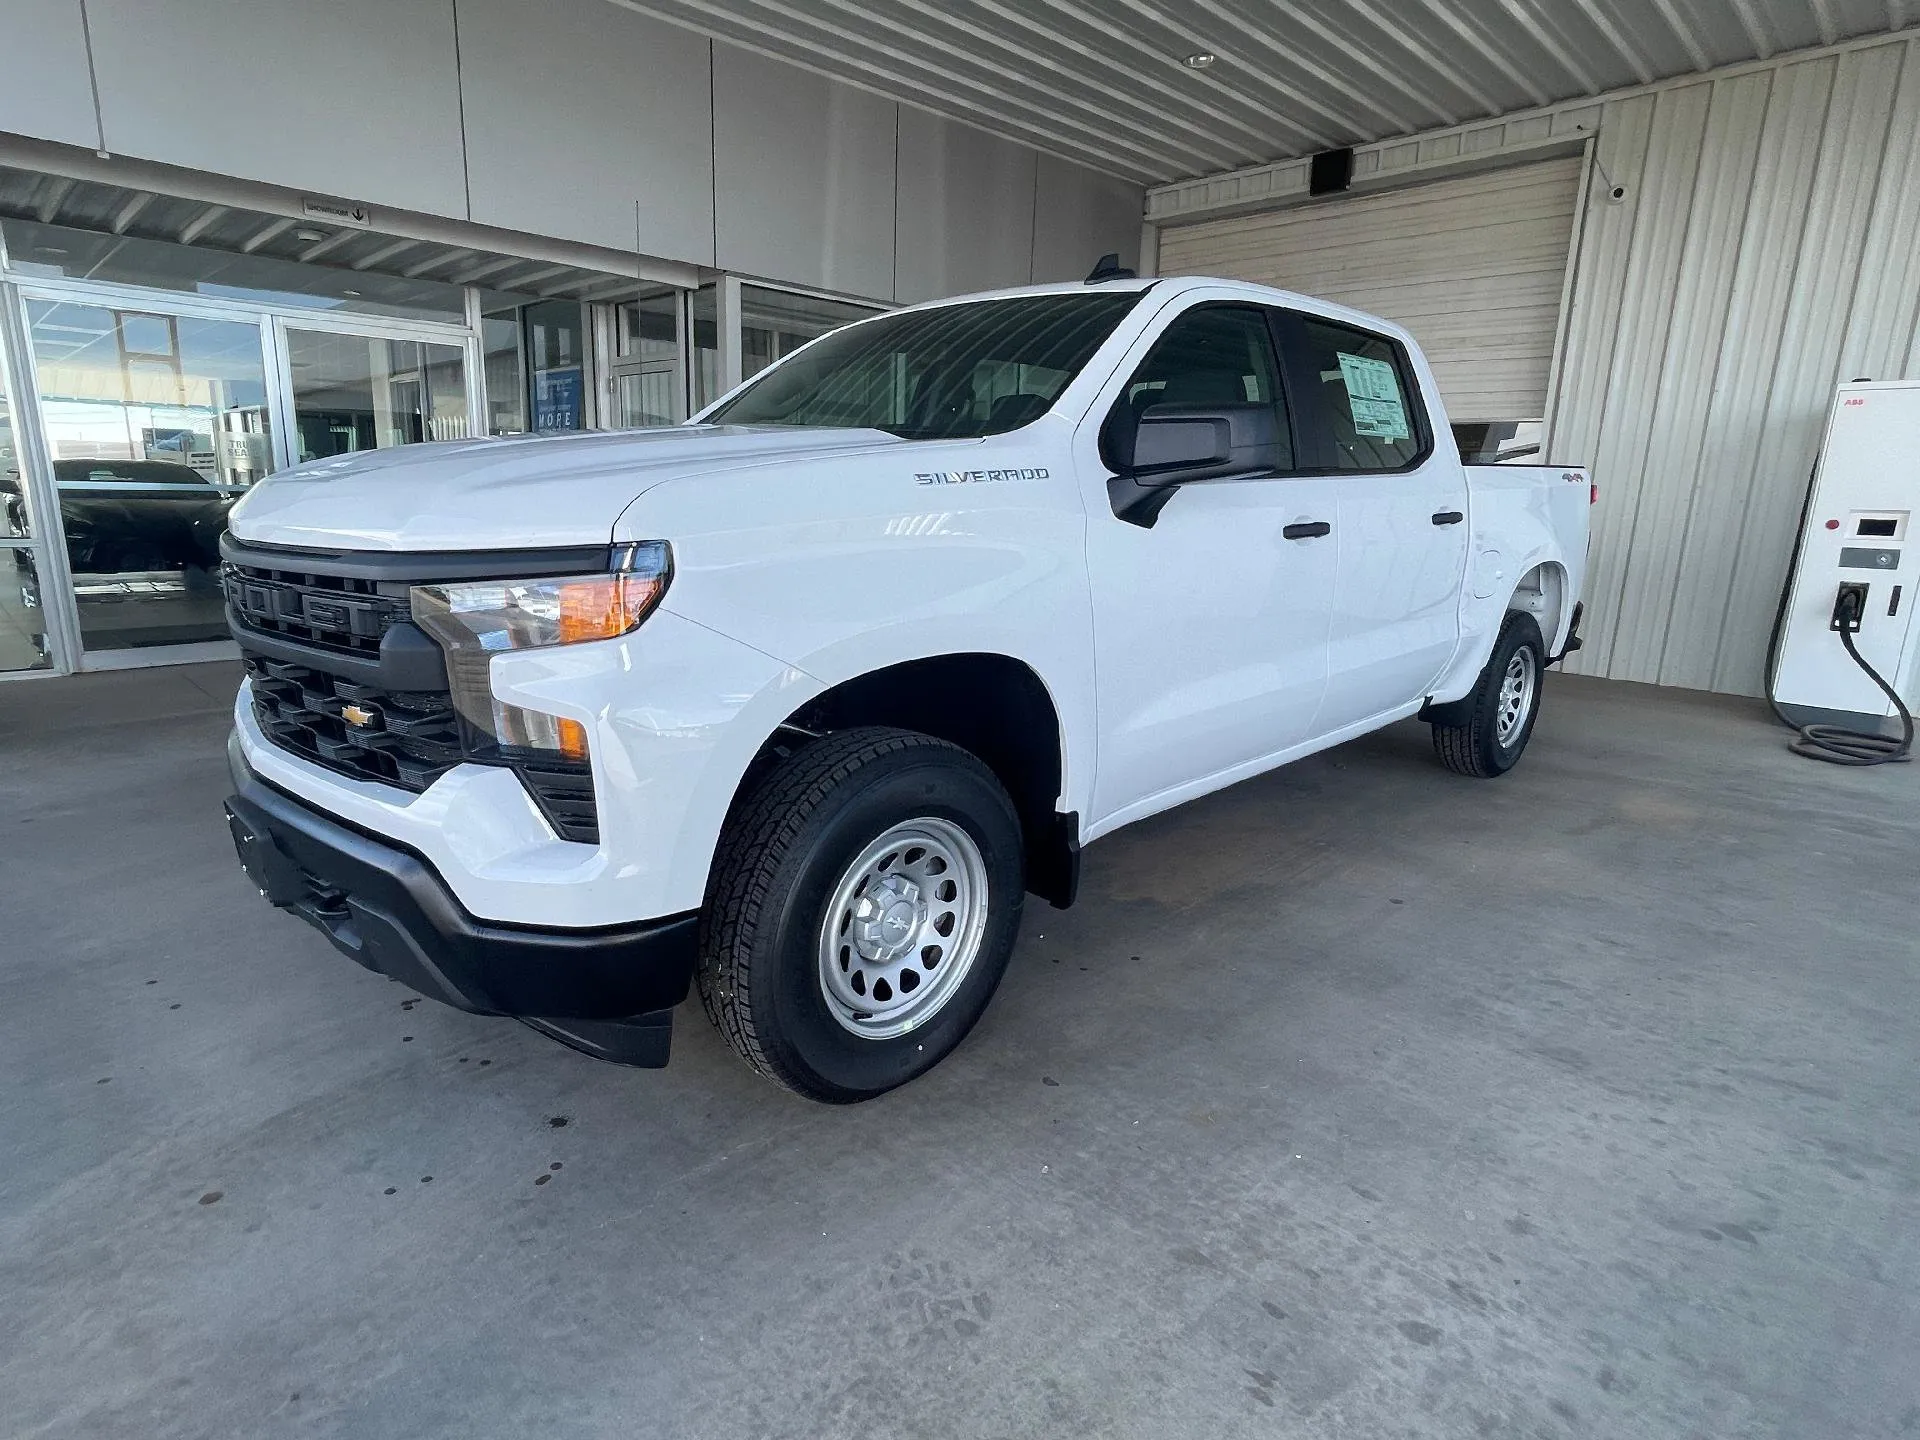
<point>1361,386</point>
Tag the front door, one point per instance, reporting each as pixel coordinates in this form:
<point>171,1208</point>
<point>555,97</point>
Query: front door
<point>1210,627</point>
<point>1402,524</point>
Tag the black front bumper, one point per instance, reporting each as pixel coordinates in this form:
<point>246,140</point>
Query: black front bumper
<point>607,991</point>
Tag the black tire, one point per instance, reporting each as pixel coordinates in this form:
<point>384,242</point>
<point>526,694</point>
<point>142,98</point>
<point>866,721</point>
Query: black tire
<point>785,850</point>
<point>1466,734</point>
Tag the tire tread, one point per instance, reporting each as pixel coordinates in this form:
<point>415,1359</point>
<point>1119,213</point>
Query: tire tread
<point>1464,748</point>
<point>755,842</point>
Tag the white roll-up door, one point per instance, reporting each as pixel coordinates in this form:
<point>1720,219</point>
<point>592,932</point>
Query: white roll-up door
<point>1473,267</point>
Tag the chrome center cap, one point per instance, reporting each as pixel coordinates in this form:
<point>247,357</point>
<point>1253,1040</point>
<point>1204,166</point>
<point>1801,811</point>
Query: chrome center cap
<point>887,918</point>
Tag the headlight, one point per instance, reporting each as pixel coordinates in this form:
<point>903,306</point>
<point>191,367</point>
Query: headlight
<point>474,621</point>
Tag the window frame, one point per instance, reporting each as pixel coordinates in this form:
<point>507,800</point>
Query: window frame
<point>1289,410</point>
<point>1291,329</point>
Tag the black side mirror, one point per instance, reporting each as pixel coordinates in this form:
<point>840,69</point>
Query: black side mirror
<point>1173,445</point>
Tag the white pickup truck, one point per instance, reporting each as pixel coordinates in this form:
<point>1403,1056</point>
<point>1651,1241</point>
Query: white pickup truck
<point>797,701</point>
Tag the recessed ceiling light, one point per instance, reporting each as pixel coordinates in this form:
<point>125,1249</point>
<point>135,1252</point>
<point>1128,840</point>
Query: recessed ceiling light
<point>309,235</point>
<point>1200,60</point>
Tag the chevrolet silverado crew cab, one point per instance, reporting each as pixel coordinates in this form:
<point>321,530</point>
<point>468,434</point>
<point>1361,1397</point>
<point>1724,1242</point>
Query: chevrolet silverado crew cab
<point>794,703</point>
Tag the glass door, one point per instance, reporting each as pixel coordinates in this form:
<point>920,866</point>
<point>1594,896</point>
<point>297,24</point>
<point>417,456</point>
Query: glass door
<point>352,390</point>
<point>155,422</point>
<point>23,631</point>
<point>646,369</point>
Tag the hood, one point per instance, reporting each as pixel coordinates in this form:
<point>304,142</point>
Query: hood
<point>527,492</point>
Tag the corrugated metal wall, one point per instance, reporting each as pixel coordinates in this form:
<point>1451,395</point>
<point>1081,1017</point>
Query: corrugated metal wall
<point>1767,247</point>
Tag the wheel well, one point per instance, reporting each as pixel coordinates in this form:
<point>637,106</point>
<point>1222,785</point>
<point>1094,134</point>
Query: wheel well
<point>992,706</point>
<point>1541,593</point>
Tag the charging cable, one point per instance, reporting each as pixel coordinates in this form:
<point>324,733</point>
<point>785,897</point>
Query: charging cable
<point>1836,744</point>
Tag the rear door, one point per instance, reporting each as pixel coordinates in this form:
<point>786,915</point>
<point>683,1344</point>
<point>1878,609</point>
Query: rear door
<point>1402,515</point>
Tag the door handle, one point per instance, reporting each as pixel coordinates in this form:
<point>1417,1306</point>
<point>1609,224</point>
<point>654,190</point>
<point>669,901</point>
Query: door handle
<point>1447,517</point>
<point>1307,530</point>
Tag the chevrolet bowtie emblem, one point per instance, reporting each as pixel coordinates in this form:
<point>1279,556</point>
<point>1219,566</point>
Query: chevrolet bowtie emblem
<point>356,715</point>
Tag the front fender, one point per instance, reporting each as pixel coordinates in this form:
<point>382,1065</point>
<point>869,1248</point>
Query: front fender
<point>674,714</point>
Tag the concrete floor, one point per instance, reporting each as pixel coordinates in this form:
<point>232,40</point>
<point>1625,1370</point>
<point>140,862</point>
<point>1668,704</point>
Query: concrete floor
<point>1360,1100</point>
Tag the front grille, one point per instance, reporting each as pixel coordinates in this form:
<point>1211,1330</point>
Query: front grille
<point>338,613</point>
<point>399,738</point>
<point>300,627</point>
<point>404,738</point>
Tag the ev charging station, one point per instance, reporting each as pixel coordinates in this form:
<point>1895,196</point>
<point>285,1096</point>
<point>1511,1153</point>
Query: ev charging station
<point>1850,604</point>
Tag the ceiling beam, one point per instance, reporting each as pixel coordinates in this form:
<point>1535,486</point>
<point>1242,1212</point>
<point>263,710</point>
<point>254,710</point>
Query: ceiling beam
<point>1295,59</point>
<point>1362,56</point>
<point>130,211</point>
<point>51,202</point>
<point>606,289</point>
<point>1418,54</point>
<point>1614,36</point>
<point>1486,45</point>
<point>434,262</point>
<point>265,233</point>
<point>1688,36</point>
<point>1182,94</point>
<point>1583,78</point>
<point>1824,18</point>
<point>1103,79</point>
<point>940,72</point>
<point>200,224</point>
<point>383,254</point>
<point>481,272</point>
<point>845,56</point>
<point>326,244</point>
<point>1754,27</point>
<point>545,272</point>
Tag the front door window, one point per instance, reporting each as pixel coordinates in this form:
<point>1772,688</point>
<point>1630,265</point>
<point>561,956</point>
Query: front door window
<point>155,424</point>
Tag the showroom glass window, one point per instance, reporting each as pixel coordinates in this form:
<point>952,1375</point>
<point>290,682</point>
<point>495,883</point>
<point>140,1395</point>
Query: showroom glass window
<point>775,323</point>
<point>155,425</point>
<point>23,641</point>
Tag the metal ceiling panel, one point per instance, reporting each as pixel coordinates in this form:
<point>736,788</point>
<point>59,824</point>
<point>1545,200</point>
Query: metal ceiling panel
<point>1104,83</point>
<point>109,209</point>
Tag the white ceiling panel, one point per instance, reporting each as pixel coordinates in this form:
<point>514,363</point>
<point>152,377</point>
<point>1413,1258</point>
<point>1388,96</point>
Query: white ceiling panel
<point>1104,82</point>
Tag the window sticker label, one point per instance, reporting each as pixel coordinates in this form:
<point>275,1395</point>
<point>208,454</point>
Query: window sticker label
<point>1373,394</point>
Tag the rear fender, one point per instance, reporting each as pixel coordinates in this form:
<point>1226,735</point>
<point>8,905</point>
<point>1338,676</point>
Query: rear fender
<point>1542,590</point>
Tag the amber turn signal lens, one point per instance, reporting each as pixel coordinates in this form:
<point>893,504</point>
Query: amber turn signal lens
<point>600,607</point>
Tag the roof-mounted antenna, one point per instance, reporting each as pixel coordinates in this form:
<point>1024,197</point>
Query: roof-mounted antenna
<point>1109,268</point>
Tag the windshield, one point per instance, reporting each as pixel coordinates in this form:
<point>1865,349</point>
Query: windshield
<point>953,373</point>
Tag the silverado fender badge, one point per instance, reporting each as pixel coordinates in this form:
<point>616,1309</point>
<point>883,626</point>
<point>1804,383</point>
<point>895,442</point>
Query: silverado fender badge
<point>976,477</point>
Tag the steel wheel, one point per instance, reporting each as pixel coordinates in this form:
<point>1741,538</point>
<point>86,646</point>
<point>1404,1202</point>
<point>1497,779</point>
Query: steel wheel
<point>903,928</point>
<point>1516,694</point>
